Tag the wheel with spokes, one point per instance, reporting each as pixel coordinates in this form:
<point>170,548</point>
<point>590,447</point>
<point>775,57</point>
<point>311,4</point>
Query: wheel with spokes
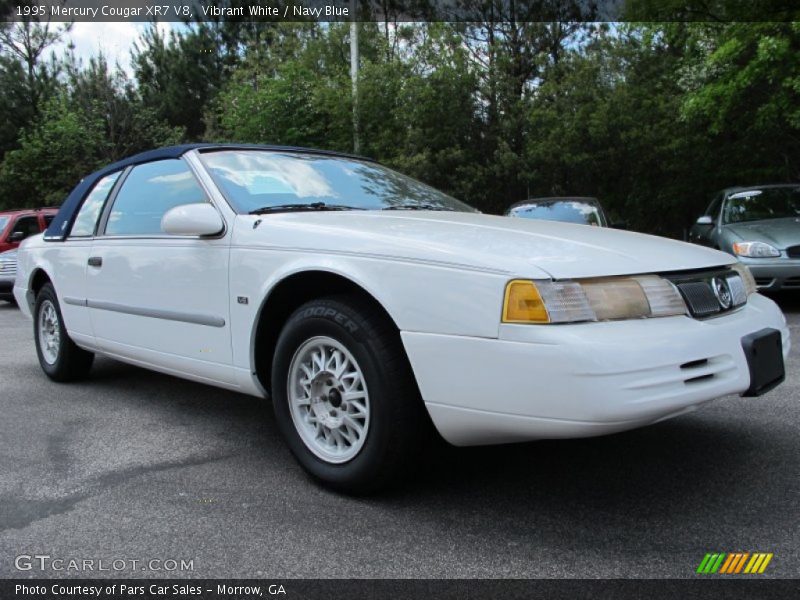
<point>328,399</point>
<point>344,396</point>
<point>60,358</point>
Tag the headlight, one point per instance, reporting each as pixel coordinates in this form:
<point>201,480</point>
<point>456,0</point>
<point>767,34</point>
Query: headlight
<point>599,299</point>
<point>747,277</point>
<point>755,250</point>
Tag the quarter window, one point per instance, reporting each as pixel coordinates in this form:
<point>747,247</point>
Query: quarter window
<point>86,221</point>
<point>148,192</point>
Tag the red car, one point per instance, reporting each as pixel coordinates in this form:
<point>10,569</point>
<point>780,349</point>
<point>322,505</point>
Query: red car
<point>16,225</point>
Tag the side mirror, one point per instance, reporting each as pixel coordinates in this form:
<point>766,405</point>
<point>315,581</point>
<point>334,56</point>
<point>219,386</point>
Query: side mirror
<point>705,220</point>
<point>199,219</point>
<point>17,236</point>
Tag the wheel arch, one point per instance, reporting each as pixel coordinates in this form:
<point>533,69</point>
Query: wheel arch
<point>38,278</point>
<point>284,297</point>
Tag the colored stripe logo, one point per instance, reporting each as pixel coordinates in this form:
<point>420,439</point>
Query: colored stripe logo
<point>732,563</point>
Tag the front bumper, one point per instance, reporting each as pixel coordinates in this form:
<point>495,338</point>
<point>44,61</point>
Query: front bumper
<point>24,300</point>
<point>773,274</point>
<point>561,381</point>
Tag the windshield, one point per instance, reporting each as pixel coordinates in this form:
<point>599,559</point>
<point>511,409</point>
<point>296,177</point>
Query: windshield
<point>253,180</point>
<point>568,211</point>
<point>760,204</point>
<point>3,223</point>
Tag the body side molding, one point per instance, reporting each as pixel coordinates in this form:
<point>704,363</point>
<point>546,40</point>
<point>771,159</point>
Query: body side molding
<point>154,313</point>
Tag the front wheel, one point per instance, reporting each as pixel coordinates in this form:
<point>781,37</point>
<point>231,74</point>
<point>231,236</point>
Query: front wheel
<point>344,395</point>
<point>60,358</point>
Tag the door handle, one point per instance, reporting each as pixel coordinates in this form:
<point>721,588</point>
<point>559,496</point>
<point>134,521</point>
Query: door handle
<point>95,261</point>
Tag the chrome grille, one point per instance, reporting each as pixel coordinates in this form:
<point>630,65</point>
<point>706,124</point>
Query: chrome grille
<point>700,298</point>
<point>697,290</point>
<point>8,267</point>
<point>738,290</point>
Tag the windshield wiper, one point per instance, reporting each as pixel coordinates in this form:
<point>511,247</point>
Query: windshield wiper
<point>313,206</point>
<point>417,207</point>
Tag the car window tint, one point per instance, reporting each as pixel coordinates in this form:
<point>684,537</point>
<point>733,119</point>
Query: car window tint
<point>713,208</point>
<point>149,191</point>
<point>86,221</point>
<point>763,204</point>
<point>254,179</point>
<point>48,219</point>
<point>27,225</point>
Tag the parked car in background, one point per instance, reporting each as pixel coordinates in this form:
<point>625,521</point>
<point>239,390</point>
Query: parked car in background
<point>371,307</point>
<point>17,225</point>
<point>567,209</point>
<point>760,225</point>
<point>8,273</point>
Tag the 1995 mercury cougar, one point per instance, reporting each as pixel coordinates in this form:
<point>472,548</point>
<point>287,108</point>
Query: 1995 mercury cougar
<point>368,305</point>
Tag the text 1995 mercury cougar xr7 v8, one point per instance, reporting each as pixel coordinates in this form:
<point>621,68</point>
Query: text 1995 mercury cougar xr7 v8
<point>368,305</point>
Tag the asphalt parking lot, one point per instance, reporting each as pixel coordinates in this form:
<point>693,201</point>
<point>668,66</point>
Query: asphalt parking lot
<point>135,465</point>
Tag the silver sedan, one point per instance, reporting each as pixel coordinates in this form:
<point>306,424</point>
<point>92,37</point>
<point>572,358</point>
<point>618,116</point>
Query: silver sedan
<point>760,225</point>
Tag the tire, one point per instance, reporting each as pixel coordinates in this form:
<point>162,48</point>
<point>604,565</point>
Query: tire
<point>61,359</point>
<point>377,391</point>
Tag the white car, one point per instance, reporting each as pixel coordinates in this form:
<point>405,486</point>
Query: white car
<point>368,305</point>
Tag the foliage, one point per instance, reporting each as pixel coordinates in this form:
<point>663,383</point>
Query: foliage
<point>651,118</point>
<point>52,157</point>
<point>95,118</point>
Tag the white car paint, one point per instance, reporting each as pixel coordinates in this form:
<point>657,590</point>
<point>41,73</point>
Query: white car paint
<point>441,277</point>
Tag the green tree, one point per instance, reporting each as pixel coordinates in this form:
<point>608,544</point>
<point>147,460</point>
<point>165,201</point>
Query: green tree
<point>53,156</point>
<point>27,77</point>
<point>745,91</point>
<point>97,118</point>
<point>178,75</point>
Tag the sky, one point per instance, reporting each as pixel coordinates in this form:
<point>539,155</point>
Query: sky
<point>115,39</point>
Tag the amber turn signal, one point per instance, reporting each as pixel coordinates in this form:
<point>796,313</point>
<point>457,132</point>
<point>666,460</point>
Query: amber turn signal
<point>523,303</point>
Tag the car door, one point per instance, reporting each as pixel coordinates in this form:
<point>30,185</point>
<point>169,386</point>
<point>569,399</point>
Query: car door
<point>72,255</point>
<point>158,299</point>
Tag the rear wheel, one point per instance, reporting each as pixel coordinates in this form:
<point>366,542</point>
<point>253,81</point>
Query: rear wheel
<point>60,358</point>
<point>344,395</point>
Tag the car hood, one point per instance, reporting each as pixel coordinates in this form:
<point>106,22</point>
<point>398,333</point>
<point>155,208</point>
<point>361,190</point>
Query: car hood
<point>521,247</point>
<point>780,233</point>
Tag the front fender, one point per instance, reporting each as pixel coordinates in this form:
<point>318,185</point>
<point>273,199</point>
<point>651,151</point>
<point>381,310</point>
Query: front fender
<point>418,297</point>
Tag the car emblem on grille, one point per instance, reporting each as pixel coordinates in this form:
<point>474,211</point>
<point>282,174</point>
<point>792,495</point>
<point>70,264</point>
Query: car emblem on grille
<point>722,291</point>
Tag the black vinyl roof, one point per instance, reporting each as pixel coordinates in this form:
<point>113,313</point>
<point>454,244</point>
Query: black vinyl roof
<point>60,225</point>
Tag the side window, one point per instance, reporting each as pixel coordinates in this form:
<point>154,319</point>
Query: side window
<point>149,191</point>
<point>713,208</point>
<point>47,220</point>
<point>24,227</point>
<point>86,221</point>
